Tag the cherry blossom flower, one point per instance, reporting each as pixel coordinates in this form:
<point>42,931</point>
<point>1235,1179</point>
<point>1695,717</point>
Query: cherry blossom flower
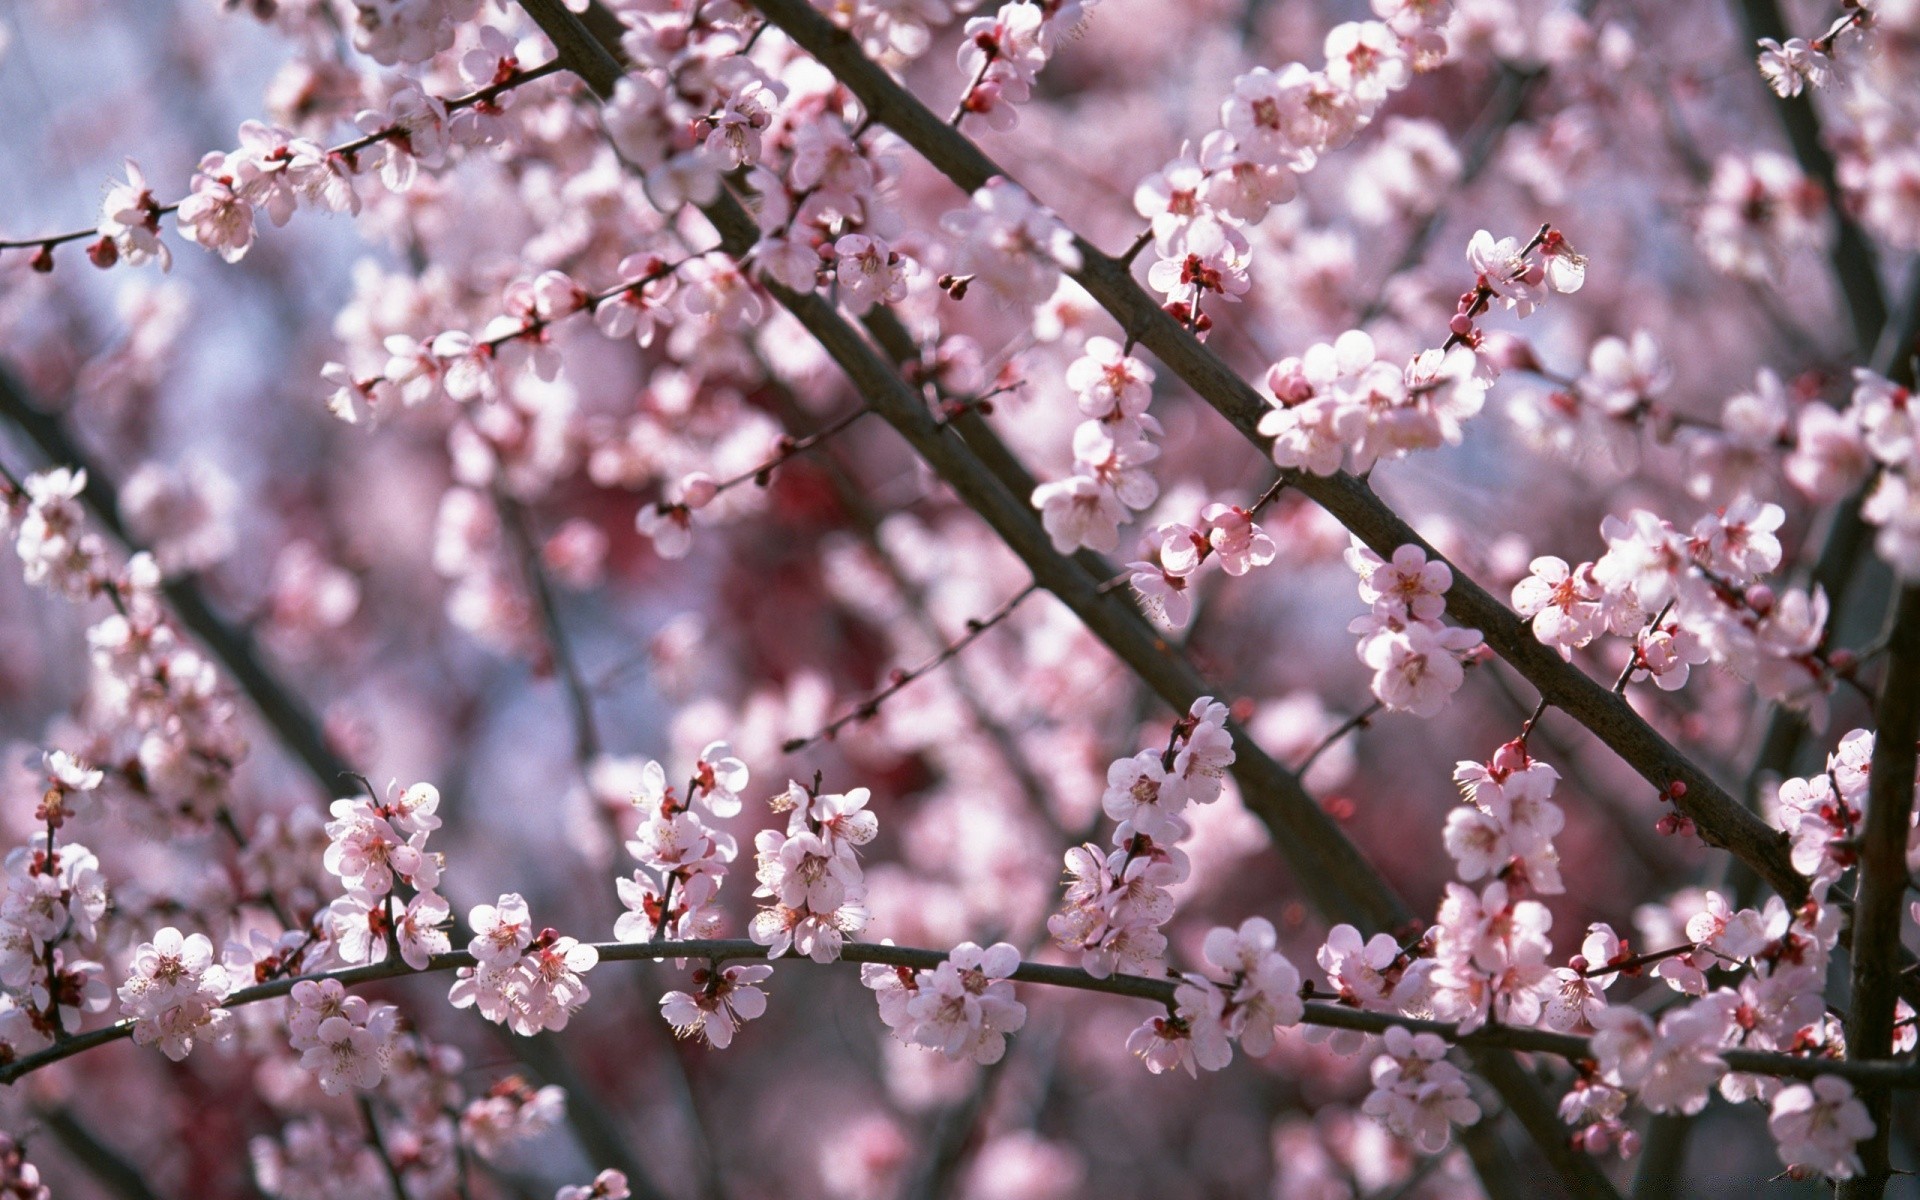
<point>130,223</point>
<point>173,991</point>
<point>607,1185</point>
<point>1563,604</point>
<point>1407,586</point>
<point>965,1007</point>
<point>1504,272</point>
<point>1193,1039</point>
<point>1365,60</point>
<point>869,272</point>
<point>1239,544</point>
<point>422,136</point>
<point>1818,1125</point>
<point>1793,67</point>
<point>217,214</point>
<point>1671,1068</point>
<point>1211,260</point>
<point>501,932</point>
<point>725,999</point>
<point>1288,119</point>
<point>1161,592</point>
<point>1759,210</point>
<point>1110,385</point>
<point>1011,244</point>
<point>1417,667</point>
<point>1415,1093</point>
<point>1263,988</point>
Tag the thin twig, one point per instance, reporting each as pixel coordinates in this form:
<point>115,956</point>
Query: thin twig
<point>346,150</point>
<point>1359,720</point>
<point>1903,1074</point>
<point>870,707</point>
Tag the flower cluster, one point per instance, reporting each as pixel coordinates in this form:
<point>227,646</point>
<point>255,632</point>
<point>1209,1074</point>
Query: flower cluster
<point>1275,124</point>
<point>1822,813</point>
<point>1688,599</point>
<point>1227,532</point>
<point>1817,1126</point>
<point>1002,54</point>
<point>375,848</point>
<point>345,1041</point>
<point>1252,991</point>
<point>523,980</point>
<point>173,991</point>
<point>1009,243</point>
<point>682,858</point>
<point>964,1008</point>
<point>158,705</point>
<point>1883,412</point>
<point>1507,826</point>
<point>51,536</point>
<point>1416,1093</point>
<point>812,873</point>
<point>1110,452</point>
<point>683,129</point>
<point>1416,657</point>
<point>1116,901</point>
<point>1760,210</point>
<point>1339,402</point>
<point>53,895</point>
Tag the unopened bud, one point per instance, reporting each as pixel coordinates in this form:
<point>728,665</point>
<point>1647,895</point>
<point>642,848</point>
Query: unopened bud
<point>697,490</point>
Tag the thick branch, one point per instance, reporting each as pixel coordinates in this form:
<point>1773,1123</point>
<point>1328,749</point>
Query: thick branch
<point>291,720</point>
<point>1881,899</point>
<point>1854,265</point>
<point>1328,867</point>
<point>1721,820</point>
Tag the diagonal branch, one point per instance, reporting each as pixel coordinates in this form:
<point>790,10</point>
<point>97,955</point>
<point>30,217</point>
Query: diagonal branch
<point>1329,868</point>
<point>1721,819</point>
<point>290,718</point>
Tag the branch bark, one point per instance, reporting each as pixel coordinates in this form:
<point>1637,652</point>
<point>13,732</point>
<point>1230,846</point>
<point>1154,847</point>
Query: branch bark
<point>1572,1047</point>
<point>1883,882</point>
<point>1721,820</point>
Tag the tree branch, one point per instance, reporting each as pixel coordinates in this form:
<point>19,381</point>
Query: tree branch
<point>1572,1047</point>
<point>290,718</point>
<point>1722,821</point>
<point>1881,897</point>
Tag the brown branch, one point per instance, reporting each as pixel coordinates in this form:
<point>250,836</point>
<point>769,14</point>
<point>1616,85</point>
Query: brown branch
<point>1880,899</point>
<point>1571,1047</point>
<point>107,1166</point>
<point>1854,262</point>
<point>586,729</point>
<point>285,712</point>
<point>1721,820</point>
<point>1359,720</point>
<point>378,1140</point>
